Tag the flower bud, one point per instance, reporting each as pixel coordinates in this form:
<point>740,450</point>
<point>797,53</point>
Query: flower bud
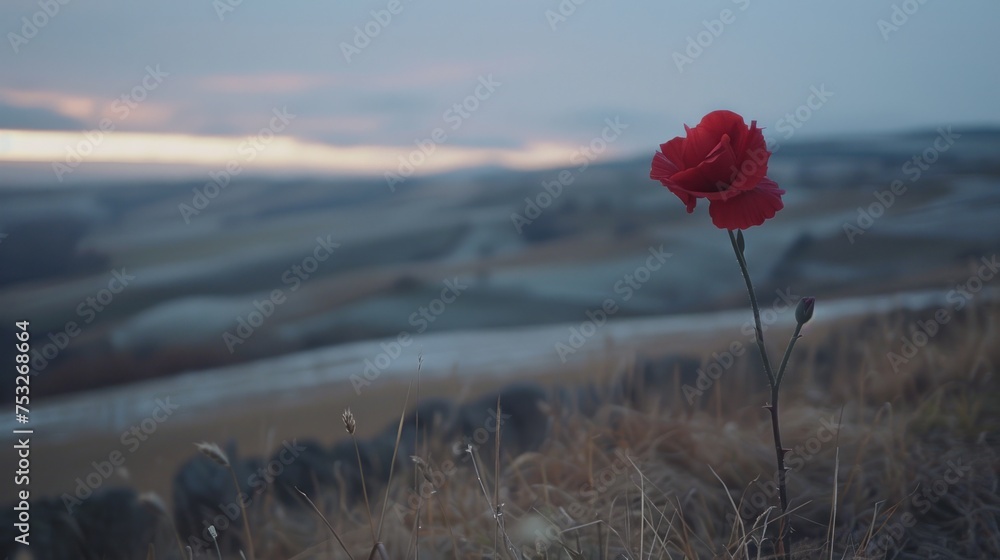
<point>804,311</point>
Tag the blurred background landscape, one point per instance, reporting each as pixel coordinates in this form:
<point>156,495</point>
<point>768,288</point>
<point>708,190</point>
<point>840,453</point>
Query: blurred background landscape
<point>197,294</point>
<point>129,304</point>
<point>245,208</point>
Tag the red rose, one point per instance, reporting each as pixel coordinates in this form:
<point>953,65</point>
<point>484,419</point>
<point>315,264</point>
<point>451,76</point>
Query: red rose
<point>725,162</point>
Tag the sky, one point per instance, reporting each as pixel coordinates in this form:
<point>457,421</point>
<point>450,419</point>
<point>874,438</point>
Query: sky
<point>415,86</point>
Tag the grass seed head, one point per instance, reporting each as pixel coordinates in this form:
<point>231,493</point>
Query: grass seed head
<point>213,452</point>
<point>349,423</point>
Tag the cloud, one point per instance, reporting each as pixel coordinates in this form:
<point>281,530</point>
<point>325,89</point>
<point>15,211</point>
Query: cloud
<point>55,110</point>
<point>34,118</point>
<point>587,121</point>
<point>238,84</point>
<point>71,106</point>
<point>394,103</point>
<point>280,153</point>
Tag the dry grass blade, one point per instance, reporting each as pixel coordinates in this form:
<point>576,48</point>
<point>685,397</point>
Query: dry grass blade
<point>575,555</point>
<point>219,457</point>
<point>350,424</point>
<point>451,531</point>
<point>323,517</point>
<point>212,532</point>
<point>496,479</point>
<point>833,505</point>
<point>395,449</point>
<point>836,483</point>
<point>392,463</point>
<point>243,512</point>
<point>495,511</point>
<point>153,500</point>
<point>642,512</point>
<point>736,510</point>
<point>378,552</point>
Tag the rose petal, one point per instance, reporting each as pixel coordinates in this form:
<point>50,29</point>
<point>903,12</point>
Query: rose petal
<point>753,155</point>
<point>717,123</point>
<point>750,208</point>
<point>700,142</point>
<point>663,170</point>
<point>689,201</point>
<point>674,150</point>
<point>663,167</point>
<point>747,142</point>
<point>710,178</point>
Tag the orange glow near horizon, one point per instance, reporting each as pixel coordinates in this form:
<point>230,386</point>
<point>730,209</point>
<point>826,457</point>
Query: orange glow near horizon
<point>267,152</point>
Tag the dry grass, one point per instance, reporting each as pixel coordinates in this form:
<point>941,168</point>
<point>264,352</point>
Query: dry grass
<point>885,464</point>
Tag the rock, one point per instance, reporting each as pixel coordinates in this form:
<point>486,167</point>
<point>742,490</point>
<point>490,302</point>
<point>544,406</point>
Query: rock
<point>204,495</point>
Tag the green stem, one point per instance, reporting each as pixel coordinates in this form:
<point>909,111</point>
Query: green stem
<point>788,353</point>
<point>783,534</point>
<point>756,310</point>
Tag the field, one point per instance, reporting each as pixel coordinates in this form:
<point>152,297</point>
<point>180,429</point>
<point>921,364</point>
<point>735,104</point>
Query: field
<point>440,291</point>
